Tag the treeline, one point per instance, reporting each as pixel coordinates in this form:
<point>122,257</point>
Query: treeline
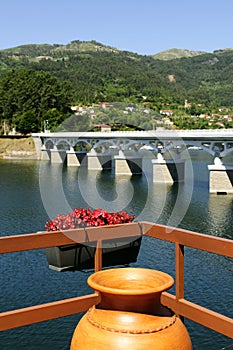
<point>29,98</point>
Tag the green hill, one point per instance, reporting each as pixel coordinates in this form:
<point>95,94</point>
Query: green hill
<point>98,73</point>
<point>76,46</point>
<point>176,53</point>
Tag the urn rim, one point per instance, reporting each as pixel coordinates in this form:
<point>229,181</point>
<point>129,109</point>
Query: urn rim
<point>130,281</point>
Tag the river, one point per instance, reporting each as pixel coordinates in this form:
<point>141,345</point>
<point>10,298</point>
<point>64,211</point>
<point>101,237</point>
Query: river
<point>33,191</point>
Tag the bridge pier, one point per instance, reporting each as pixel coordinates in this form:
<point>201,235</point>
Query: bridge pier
<point>97,161</point>
<point>168,171</point>
<point>128,165</point>
<point>58,155</point>
<point>45,154</point>
<point>220,177</point>
<point>75,158</point>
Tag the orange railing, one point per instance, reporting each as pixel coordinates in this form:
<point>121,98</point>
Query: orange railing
<point>181,238</point>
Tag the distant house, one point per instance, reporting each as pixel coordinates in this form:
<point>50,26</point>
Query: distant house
<point>78,109</point>
<point>187,104</point>
<point>167,121</point>
<point>106,104</point>
<point>220,124</point>
<point>228,118</point>
<point>96,105</point>
<point>74,108</point>
<point>103,127</point>
<point>102,104</point>
<point>167,112</point>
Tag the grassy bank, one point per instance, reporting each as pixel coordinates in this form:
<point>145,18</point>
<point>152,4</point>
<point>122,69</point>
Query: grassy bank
<point>17,148</point>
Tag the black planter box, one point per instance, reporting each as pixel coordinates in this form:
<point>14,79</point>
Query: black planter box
<point>81,256</point>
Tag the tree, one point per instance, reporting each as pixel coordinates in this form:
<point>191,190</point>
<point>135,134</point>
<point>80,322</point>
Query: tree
<point>34,92</point>
<point>26,122</point>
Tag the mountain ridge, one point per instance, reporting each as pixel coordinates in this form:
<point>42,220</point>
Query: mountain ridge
<point>102,73</point>
<point>175,53</point>
<point>92,45</point>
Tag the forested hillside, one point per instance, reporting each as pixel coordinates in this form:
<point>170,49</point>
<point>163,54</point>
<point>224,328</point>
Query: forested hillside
<point>47,79</point>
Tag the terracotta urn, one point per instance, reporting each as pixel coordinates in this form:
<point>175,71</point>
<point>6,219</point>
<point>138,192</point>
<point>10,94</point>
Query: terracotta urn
<point>130,314</point>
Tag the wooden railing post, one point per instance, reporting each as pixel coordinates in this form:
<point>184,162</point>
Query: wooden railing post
<point>179,272</point>
<point>98,256</point>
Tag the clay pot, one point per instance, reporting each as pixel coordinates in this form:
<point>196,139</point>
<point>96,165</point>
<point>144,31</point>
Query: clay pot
<point>130,314</point>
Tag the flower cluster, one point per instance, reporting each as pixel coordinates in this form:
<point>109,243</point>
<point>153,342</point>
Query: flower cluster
<point>87,217</point>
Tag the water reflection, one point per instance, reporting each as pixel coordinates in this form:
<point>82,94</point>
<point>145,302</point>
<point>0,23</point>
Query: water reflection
<point>102,190</point>
<point>220,215</point>
<point>51,189</point>
<point>122,192</point>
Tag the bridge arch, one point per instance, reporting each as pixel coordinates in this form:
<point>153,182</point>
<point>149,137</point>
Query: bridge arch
<point>49,144</point>
<point>103,146</point>
<point>82,146</point>
<point>63,145</point>
<point>218,148</point>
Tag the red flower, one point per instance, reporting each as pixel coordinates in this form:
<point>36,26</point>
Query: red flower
<point>85,217</point>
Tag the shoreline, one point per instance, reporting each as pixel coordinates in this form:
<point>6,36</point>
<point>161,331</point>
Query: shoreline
<point>17,148</point>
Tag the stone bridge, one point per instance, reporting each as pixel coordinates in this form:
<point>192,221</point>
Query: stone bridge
<point>124,150</point>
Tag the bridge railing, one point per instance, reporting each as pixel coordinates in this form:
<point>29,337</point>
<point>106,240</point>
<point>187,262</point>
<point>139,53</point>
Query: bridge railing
<point>179,237</point>
<point>196,133</point>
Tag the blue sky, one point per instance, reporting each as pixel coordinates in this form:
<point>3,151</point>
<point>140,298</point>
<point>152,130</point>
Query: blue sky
<point>145,27</point>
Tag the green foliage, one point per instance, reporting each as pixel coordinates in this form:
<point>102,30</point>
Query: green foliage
<point>53,118</point>
<point>26,123</point>
<point>29,95</point>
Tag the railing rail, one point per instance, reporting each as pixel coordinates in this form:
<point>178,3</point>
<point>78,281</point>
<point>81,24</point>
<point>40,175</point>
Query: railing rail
<point>181,238</point>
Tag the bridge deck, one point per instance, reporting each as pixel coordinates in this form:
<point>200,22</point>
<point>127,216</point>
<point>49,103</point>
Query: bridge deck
<point>218,134</point>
